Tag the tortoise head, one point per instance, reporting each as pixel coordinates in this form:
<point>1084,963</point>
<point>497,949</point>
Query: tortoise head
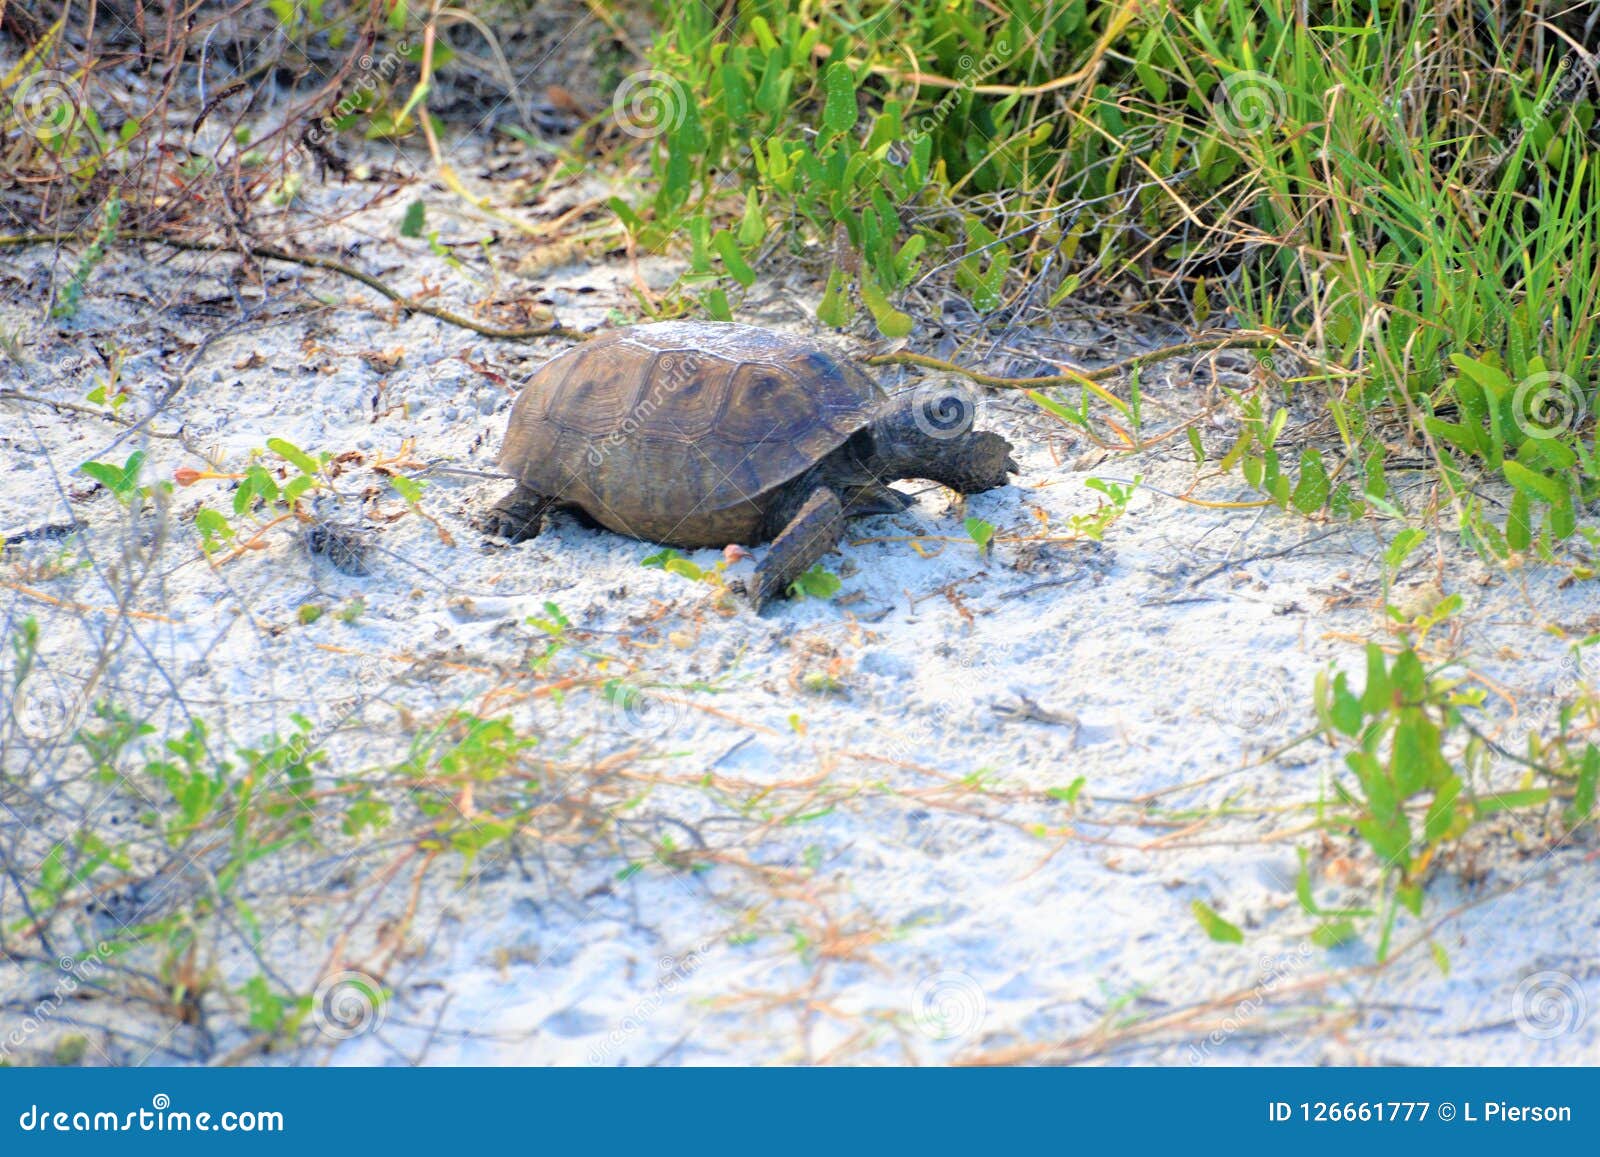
<point>928,433</point>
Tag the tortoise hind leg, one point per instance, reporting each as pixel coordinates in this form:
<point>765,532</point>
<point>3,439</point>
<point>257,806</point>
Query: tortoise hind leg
<point>811,533</point>
<point>519,515</point>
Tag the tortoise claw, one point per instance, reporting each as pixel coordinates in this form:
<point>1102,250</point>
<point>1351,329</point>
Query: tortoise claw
<point>749,593</point>
<point>517,517</point>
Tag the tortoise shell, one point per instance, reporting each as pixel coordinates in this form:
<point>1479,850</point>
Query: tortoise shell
<point>680,432</point>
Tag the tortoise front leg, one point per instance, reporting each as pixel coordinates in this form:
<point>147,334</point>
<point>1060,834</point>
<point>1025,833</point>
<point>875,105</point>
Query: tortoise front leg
<point>811,533</point>
<point>875,499</point>
<point>519,515</point>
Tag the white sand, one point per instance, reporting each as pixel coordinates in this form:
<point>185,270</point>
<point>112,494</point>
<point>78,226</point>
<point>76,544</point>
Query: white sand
<point>938,904</point>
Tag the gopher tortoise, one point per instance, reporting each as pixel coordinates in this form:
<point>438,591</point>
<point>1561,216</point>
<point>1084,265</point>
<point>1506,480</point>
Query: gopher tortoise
<point>702,434</point>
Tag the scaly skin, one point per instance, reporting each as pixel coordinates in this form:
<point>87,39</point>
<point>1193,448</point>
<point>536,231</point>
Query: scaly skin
<point>811,533</point>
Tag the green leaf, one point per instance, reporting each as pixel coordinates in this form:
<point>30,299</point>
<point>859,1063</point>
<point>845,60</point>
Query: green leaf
<point>1488,805</point>
<point>1402,546</point>
<point>266,1008</point>
<point>736,265</point>
<point>411,223</point>
<point>1410,897</point>
<point>1215,926</point>
<point>980,532</point>
<point>1441,819</point>
<point>816,583</point>
<point>1532,484</point>
<point>214,528</point>
<point>839,113</point>
<point>1375,698</point>
<point>1519,523</point>
<point>407,488</point>
<point>1068,794</point>
<point>120,480</point>
<point>661,558</point>
<point>291,453</point>
<point>1050,406</point>
<point>1441,958</point>
<point>835,307</point>
<point>257,483</point>
<point>682,566</point>
<point>753,226</point>
<point>1302,885</point>
<point>296,488</point>
<point>1563,520</point>
<point>1583,793</point>
<point>1333,933</point>
<point>1346,708</point>
<point>716,304</point>
<point>631,220</point>
<point>1490,379</point>
<point>891,322</point>
<point>1311,492</point>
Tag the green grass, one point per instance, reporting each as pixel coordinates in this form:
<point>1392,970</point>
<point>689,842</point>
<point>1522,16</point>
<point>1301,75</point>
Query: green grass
<point>1401,193</point>
<point>1325,178</point>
